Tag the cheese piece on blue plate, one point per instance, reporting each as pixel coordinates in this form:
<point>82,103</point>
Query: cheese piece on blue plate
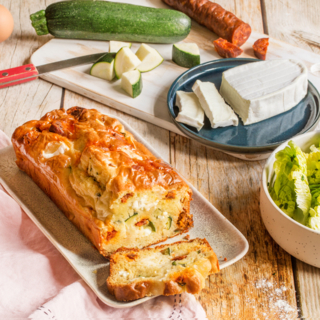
<point>191,112</point>
<point>218,112</point>
<point>261,90</point>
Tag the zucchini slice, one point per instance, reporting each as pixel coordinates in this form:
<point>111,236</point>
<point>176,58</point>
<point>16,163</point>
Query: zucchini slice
<point>125,61</point>
<point>167,251</point>
<point>115,46</point>
<point>150,58</point>
<point>131,216</point>
<point>152,226</point>
<point>186,55</point>
<point>104,67</point>
<point>169,223</point>
<point>131,82</point>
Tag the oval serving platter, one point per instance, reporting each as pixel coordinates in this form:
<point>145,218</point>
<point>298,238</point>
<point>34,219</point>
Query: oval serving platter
<point>255,138</point>
<point>225,239</point>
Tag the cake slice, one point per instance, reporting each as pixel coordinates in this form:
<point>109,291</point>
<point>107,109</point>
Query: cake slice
<point>218,112</point>
<point>164,270</point>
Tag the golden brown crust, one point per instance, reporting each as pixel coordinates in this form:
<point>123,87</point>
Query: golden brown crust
<point>71,209</point>
<point>189,280</point>
<point>144,288</point>
<point>87,132</point>
<point>201,242</point>
<point>59,125</point>
<point>132,291</point>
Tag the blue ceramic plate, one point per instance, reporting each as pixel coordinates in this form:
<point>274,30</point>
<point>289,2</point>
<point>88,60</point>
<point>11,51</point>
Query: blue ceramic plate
<point>255,138</point>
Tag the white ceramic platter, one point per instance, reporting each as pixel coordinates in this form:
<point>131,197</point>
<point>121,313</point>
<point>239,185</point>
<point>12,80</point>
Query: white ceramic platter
<point>93,268</point>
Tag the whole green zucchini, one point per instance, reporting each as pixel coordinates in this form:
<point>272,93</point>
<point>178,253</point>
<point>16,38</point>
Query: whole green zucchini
<point>104,20</point>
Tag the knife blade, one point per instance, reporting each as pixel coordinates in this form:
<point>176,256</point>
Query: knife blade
<point>29,72</point>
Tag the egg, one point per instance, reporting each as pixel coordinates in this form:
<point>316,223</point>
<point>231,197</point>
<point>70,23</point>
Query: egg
<point>6,23</point>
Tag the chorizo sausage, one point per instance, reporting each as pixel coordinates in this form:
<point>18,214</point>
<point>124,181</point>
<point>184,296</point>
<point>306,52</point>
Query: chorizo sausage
<point>143,222</point>
<point>260,48</point>
<point>226,49</point>
<point>222,22</point>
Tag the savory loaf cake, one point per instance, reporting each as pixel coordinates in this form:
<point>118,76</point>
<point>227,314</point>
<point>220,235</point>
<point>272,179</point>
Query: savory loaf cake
<point>107,183</point>
<point>164,270</point>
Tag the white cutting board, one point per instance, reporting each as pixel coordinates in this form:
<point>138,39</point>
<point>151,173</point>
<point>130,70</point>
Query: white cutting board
<point>151,105</point>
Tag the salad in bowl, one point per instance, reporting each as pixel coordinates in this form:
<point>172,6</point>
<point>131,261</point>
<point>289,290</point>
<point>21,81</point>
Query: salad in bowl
<point>290,197</point>
<point>295,185</point>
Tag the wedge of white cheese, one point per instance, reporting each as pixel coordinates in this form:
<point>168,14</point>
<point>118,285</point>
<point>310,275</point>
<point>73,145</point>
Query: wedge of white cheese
<point>218,112</point>
<point>190,111</point>
<point>260,90</point>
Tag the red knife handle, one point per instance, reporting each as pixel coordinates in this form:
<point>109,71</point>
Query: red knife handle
<point>13,76</point>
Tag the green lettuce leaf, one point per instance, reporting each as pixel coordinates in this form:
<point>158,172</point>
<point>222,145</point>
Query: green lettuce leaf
<point>313,173</point>
<point>315,193</point>
<point>313,165</point>
<point>291,189</point>
<point>314,219</point>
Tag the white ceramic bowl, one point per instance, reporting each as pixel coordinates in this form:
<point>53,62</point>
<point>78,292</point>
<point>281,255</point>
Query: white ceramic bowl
<point>298,240</point>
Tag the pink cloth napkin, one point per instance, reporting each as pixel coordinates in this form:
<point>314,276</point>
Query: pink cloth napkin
<point>36,282</point>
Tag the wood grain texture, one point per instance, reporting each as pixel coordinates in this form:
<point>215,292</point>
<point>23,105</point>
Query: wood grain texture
<point>260,286</point>
<point>33,99</point>
<point>297,22</point>
<point>308,289</point>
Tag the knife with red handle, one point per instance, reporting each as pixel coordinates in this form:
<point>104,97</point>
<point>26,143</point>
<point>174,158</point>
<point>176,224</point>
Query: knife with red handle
<point>29,72</point>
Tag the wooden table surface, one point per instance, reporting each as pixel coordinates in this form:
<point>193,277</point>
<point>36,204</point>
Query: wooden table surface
<point>268,283</point>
